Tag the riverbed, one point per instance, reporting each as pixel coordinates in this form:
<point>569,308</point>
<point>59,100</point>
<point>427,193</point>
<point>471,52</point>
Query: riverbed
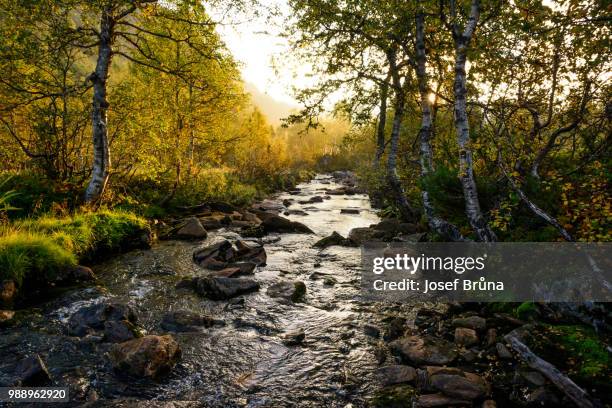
<point>242,362</point>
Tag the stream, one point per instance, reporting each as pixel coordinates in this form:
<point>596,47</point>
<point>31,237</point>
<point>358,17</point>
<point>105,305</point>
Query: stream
<point>243,363</point>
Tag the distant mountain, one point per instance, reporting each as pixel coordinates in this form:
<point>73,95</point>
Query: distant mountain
<point>273,109</point>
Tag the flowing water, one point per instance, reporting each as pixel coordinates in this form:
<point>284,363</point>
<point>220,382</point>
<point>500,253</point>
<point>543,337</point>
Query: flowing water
<point>244,362</point>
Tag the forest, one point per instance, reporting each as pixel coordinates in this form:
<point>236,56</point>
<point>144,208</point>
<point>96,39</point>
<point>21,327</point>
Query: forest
<point>128,137</point>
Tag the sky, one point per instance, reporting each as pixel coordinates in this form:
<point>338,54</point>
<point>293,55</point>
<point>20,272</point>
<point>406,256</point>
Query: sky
<point>256,44</point>
<point>264,54</point>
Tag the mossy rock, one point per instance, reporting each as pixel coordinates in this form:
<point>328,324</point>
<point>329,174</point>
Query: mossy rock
<point>399,396</point>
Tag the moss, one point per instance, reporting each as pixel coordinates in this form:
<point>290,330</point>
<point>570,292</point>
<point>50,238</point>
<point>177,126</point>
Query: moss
<point>527,311</point>
<point>586,349</point>
<point>398,396</point>
<point>578,351</point>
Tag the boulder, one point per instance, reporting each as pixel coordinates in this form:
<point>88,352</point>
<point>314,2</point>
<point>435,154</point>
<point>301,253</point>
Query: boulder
<point>293,291</point>
<point>224,255</point>
<point>439,400</point>
<point>268,206</point>
<point>191,229</point>
<point>250,217</point>
<point>32,372</point>
<point>222,288</point>
<point>426,350</point>
<point>361,235</point>
<point>459,386</point>
<point>396,374</point>
<point>471,322</point>
<point>275,223</point>
<point>349,211</point>
<point>89,319</point>
<point>333,239</point>
<point>211,223</point>
<point>186,321</point>
<point>465,337</point>
<point>8,293</point>
<point>293,338</point>
<point>149,356</point>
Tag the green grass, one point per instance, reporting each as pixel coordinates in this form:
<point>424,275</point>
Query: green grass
<point>25,255</point>
<point>38,250</point>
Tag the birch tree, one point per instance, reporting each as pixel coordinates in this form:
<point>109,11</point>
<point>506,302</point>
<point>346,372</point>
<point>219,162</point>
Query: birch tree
<point>462,36</point>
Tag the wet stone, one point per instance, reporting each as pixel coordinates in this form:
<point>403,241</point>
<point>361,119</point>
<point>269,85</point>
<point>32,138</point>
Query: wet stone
<point>294,291</point>
<point>396,374</point>
<point>186,321</point>
<point>31,372</point>
<point>424,350</point>
<point>89,319</point>
<point>333,239</point>
<point>276,223</point>
<point>119,331</point>
<point>295,212</point>
<point>221,288</point>
<point>329,281</point>
<point>149,356</point>
<point>294,337</point>
<point>371,330</point>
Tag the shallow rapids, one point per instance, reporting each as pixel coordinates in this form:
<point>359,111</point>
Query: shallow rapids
<point>243,363</point>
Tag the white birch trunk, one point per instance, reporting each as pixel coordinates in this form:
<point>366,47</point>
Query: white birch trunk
<point>466,171</point>
<point>437,224</point>
<point>101,151</point>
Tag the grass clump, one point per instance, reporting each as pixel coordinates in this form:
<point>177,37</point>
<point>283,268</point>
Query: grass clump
<point>31,256</point>
<point>35,251</point>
